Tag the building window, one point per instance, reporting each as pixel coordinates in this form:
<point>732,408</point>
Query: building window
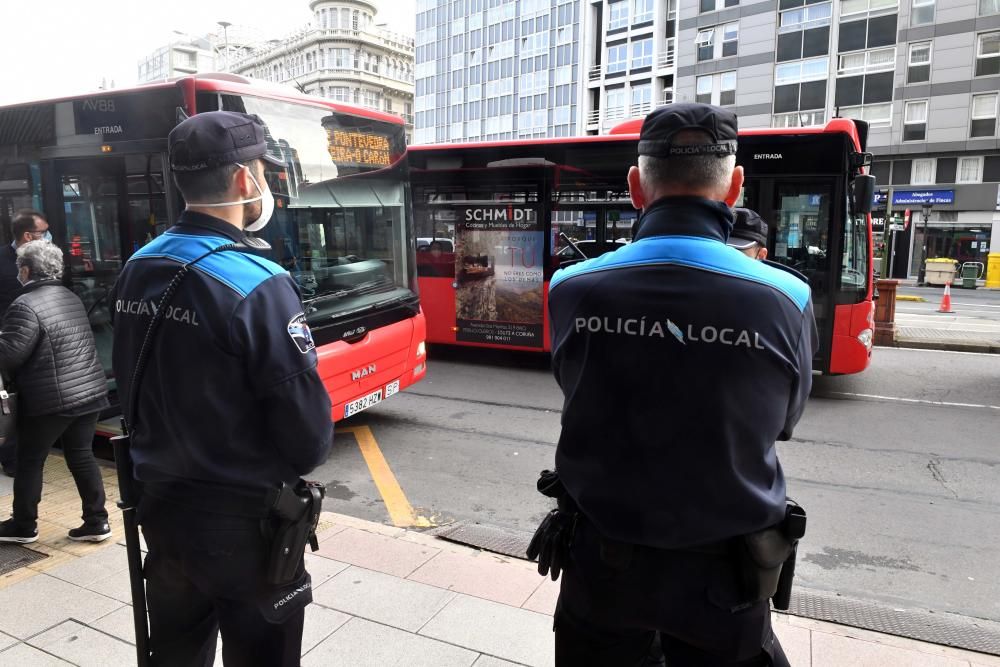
<point>705,42</point>
<point>876,114</point>
<point>618,14</point>
<point>813,69</point>
<point>730,37</point>
<point>642,99</point>
<point>713,5</point>
<point>859,6</point>
<point>984,116</point>
<point>718,89</point>
<point>923,172</point>
<point>988,7</point>
<point>867,62</point>
<point>988,54</point>
<point>804,31</point>
<point>703,90</point>
<point>617,58</point>
<point>642,11</point>
<point>915,121</point>
<point>918,66</point>
<point>614,104</point>
<point>642,53</point>
<point>970,170</point>
<point>922,12</point>
<point>803,18</point>
<point>798,119</point>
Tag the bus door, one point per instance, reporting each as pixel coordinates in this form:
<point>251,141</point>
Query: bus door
<point>586,230</point>
<point>799,214</point>
<point>101,211</point>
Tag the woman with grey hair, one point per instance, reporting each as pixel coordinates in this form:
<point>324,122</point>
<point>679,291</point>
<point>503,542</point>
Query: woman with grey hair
<point>47,346</point>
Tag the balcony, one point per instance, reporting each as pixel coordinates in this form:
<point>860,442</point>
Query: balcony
<point>595,72</point>
<point>668,58</point>
<point>666,98</point>
<point>640,110</point>
<point>593,117</point>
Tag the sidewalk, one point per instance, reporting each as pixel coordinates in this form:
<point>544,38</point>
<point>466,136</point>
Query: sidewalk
<point>383,596</point>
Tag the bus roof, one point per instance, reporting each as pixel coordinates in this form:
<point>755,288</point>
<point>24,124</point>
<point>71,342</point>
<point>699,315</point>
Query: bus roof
<point>629,131</point>
<point>223,83</point>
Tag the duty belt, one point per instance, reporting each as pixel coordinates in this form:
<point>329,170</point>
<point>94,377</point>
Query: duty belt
<point>219,498</point>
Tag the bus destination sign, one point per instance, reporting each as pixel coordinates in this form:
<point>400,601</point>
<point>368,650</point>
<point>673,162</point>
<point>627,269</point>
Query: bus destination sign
<point>362,149</point>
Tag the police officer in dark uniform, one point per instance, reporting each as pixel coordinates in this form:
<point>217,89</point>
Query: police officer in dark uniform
<point>682,361</point>
<point>749,234</point>
<point>230,406</point>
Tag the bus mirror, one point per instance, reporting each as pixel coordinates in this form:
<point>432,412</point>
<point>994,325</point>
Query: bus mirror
<point>864,194</point>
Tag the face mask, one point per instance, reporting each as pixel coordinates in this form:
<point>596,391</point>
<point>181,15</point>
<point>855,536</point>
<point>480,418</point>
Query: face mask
<point>47,236</point>
<point>266,208</point>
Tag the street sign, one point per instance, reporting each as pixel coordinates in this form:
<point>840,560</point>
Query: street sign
<point>895,228</point>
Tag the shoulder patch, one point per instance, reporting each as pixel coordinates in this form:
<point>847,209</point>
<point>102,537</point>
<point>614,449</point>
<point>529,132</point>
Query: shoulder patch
<point>298,331</point>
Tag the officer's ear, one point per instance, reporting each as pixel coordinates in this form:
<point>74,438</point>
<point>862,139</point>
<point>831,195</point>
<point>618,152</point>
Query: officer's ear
<point>635,189</point>
<point>735,187</point>
<point>244,184</point>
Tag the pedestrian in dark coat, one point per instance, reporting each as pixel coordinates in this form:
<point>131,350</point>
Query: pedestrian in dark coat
<point>47,345</point>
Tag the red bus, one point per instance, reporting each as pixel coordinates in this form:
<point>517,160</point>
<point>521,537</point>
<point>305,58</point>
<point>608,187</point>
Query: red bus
<point>494,221</point>
<point>96,165</point>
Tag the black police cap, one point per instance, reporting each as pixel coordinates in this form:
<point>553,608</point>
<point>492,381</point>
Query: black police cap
<point>662,125</point>
<point>748,228</point>
<point>217,138</point>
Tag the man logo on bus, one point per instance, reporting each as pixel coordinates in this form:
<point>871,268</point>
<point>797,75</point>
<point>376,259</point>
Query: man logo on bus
<point>300,334</point>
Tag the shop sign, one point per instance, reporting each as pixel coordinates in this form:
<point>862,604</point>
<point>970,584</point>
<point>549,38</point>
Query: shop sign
<point>923,197</point>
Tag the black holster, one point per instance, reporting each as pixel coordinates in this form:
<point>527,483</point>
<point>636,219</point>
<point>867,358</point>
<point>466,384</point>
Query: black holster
<point>766,558</point>
<point>295,512</point>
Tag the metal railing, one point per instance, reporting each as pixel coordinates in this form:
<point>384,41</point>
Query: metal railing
<point>668,58</point>
<point>593,117</point>
<point>641,109</point>
<point>666,98</point>
<point>595,72</point>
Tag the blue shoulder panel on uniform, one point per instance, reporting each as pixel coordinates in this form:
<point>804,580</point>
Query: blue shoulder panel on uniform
<point>696,252</point>
<point>240,271</point>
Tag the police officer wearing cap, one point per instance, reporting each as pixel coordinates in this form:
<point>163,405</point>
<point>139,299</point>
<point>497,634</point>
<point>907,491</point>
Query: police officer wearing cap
<point>230,406</point>
<point>749,234</point>
<point>682,361</point>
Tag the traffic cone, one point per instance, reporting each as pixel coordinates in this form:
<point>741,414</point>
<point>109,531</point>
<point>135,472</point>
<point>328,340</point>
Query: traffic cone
<point>946,299</point>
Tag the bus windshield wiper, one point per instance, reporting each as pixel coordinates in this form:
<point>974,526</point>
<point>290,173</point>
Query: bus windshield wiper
<point>364,288</point>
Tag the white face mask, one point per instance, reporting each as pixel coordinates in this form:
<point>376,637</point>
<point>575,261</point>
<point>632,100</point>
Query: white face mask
<point>265,198</point>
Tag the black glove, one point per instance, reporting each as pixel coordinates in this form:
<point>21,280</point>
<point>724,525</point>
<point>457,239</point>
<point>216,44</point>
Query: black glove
<point>551,542</point>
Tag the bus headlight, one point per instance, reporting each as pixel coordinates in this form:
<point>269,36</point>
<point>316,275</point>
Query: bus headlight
<point>421,350</point>
<point>866,338</point>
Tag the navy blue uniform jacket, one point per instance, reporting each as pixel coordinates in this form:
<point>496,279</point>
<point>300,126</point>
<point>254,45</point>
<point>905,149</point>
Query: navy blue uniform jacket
<point>682,361</point>
<point>230,394</point>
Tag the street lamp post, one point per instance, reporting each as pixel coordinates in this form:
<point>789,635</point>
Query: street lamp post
<point>225,31</point>
<point>922,270</point>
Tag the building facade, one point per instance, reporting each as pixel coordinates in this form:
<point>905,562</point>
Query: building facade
<point>497,69</point>
<point>924,73</point>
<point>343,55</point>
<point>182,57</point>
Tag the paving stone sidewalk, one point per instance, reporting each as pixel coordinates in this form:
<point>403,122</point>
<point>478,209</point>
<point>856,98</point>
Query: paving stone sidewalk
<point>383,596</point>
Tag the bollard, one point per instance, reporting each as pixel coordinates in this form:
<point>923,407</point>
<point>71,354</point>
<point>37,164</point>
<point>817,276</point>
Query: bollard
<point>885,312</point>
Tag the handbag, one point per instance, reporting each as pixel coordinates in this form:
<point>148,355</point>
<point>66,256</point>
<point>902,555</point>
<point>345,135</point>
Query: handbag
<point>8,413</point>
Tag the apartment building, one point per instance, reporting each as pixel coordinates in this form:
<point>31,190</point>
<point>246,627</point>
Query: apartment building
<point>496,69</point>
<point>924,73</point>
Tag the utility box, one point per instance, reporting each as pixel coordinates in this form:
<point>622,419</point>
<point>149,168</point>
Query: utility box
<point>940,271</point>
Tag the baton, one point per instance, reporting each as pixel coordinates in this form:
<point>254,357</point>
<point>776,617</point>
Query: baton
<point>128,504</point>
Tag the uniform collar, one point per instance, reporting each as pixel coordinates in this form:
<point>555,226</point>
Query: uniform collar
<point>192,221</point>
<point>686,216</point>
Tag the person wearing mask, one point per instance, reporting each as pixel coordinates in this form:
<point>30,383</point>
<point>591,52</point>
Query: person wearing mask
<point>749,234</point>
<point>681,363</point>
<point>229,408</point>
<point>47,345</point>
<point>27,225</point>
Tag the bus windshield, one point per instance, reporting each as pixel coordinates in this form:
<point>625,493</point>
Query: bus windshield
<point>341,223</point>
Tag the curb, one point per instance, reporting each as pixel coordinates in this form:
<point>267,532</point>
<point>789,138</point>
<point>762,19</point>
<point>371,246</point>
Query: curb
<point>907,297</point>
<point>946,346</point>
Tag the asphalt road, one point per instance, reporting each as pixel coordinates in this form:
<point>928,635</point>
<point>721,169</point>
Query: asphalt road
<point>897,467</point>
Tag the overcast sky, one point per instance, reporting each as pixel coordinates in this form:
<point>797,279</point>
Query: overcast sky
<point>51,48</point>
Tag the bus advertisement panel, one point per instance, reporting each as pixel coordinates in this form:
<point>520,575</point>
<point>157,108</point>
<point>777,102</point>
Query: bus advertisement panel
<point>97,167</point>
<point>801,180</point>
<point>498,275</point>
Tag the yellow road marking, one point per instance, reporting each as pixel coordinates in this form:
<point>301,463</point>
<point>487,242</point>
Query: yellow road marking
<point>400,510</point>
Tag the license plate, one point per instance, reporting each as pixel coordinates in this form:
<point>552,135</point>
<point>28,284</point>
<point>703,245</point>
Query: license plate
<point>363,403</point>
<point>392,388</point>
